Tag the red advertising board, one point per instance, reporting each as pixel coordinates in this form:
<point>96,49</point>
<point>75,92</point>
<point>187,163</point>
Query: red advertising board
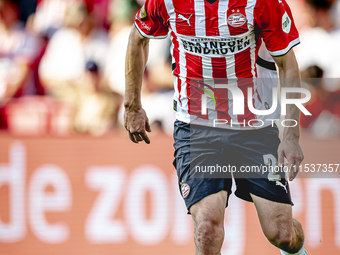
<point>83,195</point>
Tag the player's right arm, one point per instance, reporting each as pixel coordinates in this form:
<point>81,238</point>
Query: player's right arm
<point>135,120</point>
<point>150,22</point>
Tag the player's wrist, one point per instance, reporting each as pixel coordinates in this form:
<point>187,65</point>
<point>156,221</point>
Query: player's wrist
<point>289,137</point>
<point>132,106</point>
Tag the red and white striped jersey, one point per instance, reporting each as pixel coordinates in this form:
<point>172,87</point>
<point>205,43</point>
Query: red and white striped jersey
<point>216,42</point>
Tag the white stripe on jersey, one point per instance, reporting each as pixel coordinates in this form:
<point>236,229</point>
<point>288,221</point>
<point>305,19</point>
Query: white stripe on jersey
<point>173,61</point>
<point>207,71</point>
<point>183,75</point>
<point>200,18</point>
<point>172,21</point>
<point>232,80</point>
<point>222,18</point>
<point>176,94</point>
<point>250,11</point>
<point>253,57</point>
<point>182,64</point>
<point>231,73</point>
<point>233,118</point>
<point>230,58</point>
<point>172,15</point>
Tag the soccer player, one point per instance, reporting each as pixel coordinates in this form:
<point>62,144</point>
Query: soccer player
<point>216,42</point>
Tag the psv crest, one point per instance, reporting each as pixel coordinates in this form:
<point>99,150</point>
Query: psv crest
<point>236,19</point>
<point>185,189</point>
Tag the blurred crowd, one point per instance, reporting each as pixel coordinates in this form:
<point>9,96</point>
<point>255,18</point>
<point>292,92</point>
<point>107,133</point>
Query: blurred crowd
<point>319,61</point>
<point>62,65</point>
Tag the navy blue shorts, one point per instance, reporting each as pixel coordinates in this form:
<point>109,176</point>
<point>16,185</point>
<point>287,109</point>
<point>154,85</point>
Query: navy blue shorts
<point>206,160</point>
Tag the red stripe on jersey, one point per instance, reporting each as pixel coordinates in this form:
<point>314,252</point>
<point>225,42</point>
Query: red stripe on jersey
<point>219,67</point>
<point>236,17</point>
<point>185,17</point>
<point>194,67</point>
<point>176,71</point>
<point>179,87</point>
<point>194,85</point>
<point>244,84</point>
<point>211,23</point>
<point>163,12</point>
<point>248,115</point>
<point>243,66</point>
<point>222,107</point>
<point>243,70</point>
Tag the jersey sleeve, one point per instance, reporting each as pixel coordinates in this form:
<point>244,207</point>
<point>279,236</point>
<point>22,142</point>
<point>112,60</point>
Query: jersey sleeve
<point>277,28</point>
<point>150,20</point>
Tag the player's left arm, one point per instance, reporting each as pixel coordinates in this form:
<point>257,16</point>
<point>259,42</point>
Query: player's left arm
<point>290,147</point>
<point>280,35</point>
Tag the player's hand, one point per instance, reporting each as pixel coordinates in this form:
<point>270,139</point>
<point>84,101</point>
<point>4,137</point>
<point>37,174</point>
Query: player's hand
<point>290,148</point>
<point>137,123</point>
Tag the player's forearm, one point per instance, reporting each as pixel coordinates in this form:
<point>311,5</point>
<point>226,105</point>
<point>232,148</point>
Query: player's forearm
<point>293,112</point>
<point>136,58</point>
<point>290,77</point>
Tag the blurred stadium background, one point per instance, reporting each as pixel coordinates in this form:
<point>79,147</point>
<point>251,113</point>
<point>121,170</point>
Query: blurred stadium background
<point>70,180</point>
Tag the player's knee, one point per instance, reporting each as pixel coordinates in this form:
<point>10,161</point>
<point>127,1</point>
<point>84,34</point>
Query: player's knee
<point>284,240</point>
<point>287,238</point>
<point>209,231</point>
<point>298,230</point>
<point>280,237</point>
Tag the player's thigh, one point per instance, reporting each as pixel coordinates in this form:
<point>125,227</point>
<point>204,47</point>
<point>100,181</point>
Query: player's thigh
<point>210,209</point>
<point>275,218</point>
<point>256,154</point>
<point>198,147</point>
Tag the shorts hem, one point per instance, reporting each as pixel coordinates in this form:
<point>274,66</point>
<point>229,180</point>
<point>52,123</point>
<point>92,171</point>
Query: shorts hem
<point>270,198</point>
<point>205,195</point>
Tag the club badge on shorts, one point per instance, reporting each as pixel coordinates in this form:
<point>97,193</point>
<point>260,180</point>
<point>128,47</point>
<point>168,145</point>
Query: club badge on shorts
<point>236,19</point>
<point>185,189</point>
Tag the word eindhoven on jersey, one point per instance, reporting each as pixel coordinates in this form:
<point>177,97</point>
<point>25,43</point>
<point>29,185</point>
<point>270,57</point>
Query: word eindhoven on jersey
<point>216,46</point>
